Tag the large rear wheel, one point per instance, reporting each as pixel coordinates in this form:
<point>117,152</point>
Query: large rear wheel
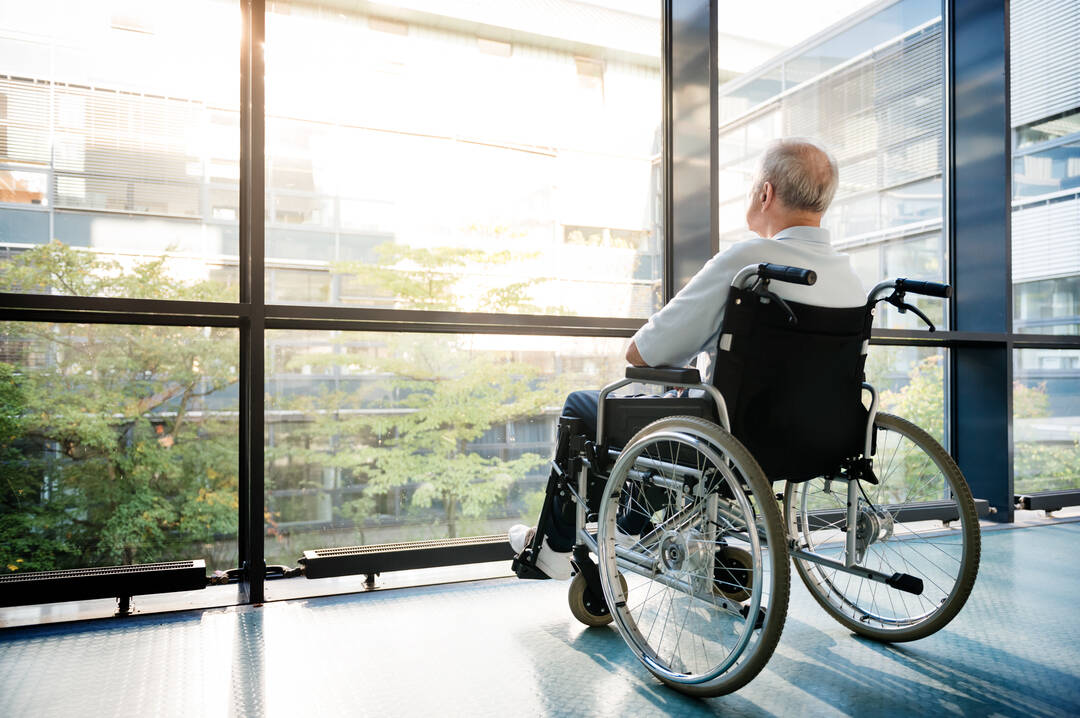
<point>919,520</point>
<point>706,579</point>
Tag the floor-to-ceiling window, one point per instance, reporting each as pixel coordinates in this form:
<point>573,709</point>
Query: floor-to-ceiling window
<point>447,157</point>
<point>1045,78</point>
<point>475,187</point>
<point>119,140</point>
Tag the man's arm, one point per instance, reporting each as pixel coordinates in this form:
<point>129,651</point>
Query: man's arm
<point>690,321</point>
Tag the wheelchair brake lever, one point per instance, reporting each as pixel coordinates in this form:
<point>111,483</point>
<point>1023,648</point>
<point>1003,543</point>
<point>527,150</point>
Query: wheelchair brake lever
<point>897,300</point>
<point>920,315</point>
<point>762,290</point>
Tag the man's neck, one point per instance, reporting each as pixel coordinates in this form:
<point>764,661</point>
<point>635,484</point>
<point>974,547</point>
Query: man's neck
<point>781,223</point>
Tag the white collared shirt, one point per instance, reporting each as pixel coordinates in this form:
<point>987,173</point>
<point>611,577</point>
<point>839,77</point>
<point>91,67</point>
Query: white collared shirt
<point>690,323</point>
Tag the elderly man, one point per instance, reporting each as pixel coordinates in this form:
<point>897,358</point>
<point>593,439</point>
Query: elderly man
<point>794,183</point>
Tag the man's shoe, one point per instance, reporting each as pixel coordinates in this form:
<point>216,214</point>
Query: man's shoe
<point>520,536</point>
<point>555,564</point>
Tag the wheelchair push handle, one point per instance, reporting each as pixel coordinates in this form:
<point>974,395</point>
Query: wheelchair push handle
<point>782,273</point>
<point>930,289</point>
<point>765,271</point>
<point>900,287</point>
<point>915,286</point>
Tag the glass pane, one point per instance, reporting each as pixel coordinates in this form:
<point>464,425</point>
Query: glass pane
<point>1046,166</point>
<point>379,438</point>
<point>487,156</point>
<point>136,161</point>
<point>910,384</point>
<point>866,79</point>
<point>1046,420</point>
<point>118,445</point>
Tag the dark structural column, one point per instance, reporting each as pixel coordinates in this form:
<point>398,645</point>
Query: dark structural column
<point>252,295</point>
<point>691,111</point>
<point>979,186</point>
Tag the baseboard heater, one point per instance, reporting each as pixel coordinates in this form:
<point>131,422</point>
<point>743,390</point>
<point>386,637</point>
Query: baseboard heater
<point>121,582</point>
<point>906,513</point>
<point>377,558</point>
<point>1048,500</point>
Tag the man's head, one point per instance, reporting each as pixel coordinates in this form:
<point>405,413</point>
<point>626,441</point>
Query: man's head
<point>794,184</point>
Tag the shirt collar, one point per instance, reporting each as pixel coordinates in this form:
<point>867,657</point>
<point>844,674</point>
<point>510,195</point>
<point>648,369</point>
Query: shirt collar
<point>817,235</point>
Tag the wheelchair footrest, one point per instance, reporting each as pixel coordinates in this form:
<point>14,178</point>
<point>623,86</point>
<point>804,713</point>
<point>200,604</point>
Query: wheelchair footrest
<point>905,582</point>
<point>760,621</point>
<point>525,569</point>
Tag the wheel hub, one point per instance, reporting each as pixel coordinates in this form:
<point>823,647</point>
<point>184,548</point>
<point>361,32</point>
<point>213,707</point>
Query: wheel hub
<point>872,526</point>
<point>683,551</point>
<point>672,551</point>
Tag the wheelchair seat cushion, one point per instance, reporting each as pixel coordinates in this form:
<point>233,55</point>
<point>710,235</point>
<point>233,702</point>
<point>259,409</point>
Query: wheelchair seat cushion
<point>626,416</point>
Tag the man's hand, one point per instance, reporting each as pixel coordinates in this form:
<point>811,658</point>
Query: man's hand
<point>634,356</point>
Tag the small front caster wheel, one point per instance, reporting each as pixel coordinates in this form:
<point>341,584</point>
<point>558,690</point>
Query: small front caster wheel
<point>590,610</point>
<point>734,573</point>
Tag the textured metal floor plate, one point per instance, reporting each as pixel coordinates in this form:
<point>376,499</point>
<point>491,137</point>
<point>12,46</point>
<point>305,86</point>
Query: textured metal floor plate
<point>511,648</point>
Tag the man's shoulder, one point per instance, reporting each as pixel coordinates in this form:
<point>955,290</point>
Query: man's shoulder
<point>748,251</point>
<point>746,248</point>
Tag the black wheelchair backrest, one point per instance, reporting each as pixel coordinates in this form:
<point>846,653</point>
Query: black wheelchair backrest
<point>793,388</point>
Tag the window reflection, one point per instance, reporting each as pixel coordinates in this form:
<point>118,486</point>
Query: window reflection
<point>1046,171</point>
<point>137,159</point>
<point>870,87</point>
<point>534,156</point>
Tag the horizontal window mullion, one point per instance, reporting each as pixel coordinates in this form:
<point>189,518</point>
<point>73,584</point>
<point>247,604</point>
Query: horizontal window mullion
<point>148,311</point>
<point>1046,341</point>
<point>421,316</point>
<point>66,316</point>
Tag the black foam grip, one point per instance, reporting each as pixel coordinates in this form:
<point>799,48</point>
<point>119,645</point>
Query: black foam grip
<point>930,289</point>
<point>905,582</point>
<point>782,273</point>
<point>664,374</point>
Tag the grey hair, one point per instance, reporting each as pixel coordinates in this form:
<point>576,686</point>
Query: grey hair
<point>801,181</point>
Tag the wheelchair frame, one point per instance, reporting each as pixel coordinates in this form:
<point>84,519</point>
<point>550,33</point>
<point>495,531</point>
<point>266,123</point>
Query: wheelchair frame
<point>587,460</point>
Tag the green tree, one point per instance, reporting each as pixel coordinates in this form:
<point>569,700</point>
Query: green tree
<point>115,453</point>
<point>1041,465</point>
<point>922,400</point>
<point>411,430</point>
<point>1037,465</point>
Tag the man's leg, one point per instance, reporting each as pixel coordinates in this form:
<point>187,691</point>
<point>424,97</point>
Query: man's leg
<point>557,525</point>
<point>632,519</point>
<point>560,528</point>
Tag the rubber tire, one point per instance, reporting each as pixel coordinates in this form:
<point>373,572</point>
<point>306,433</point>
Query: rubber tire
<point>972,540</point>
<point>576,598</point>
<point>777,555</point>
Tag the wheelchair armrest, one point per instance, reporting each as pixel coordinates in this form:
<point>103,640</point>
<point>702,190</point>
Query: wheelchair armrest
<point>664,374</point>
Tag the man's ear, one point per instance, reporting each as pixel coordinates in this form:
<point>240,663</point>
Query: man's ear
<point>766,195</point>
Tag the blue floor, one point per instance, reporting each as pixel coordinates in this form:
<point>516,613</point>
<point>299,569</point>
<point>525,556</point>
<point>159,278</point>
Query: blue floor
<point>511,648</point>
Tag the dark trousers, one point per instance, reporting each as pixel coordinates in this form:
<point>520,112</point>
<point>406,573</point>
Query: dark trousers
<point>560,527</point>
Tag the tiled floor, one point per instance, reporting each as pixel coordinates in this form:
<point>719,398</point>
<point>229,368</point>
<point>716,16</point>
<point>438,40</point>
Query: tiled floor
<point>510,648</point>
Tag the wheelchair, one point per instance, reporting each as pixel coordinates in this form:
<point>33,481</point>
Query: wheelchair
<point>684,535</point>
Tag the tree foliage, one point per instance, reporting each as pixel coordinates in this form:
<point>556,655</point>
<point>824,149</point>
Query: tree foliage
<point>922,399</point>
<point>1042,465</point>
<point>113,451</point>
<point>410,430</point>
<point>1038,465</point>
